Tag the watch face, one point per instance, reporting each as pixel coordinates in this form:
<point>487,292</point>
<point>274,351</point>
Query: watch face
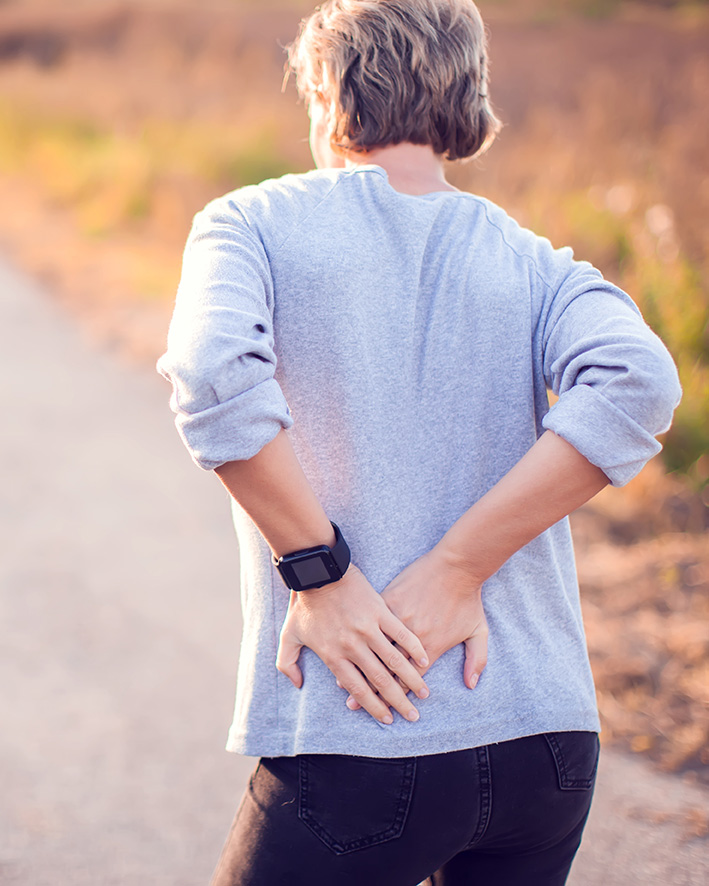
<point>312,571</point>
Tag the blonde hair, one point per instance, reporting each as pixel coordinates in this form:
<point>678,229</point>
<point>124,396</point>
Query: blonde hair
<point>398,71</point>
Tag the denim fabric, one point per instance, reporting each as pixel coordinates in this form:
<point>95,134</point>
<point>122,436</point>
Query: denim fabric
<point>371,816</point>
<point>505,814</point>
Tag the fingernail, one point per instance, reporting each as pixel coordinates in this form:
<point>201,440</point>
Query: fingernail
<point>350,702</point>
<point>388,720</point>
<point>424,693</point>
<point>474,681</point>
<point>413,715</point>
<point>423,662</point>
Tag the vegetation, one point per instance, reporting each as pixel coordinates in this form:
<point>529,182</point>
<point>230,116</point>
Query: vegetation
<point>116,125</point>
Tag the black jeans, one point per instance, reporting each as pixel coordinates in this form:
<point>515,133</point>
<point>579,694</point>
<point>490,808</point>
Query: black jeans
<point>507,814</point>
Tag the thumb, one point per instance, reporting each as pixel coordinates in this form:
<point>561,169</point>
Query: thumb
<point>287,659</point>
<point>475,659</point>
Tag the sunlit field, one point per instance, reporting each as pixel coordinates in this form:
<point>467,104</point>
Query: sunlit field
<point>118,121</point>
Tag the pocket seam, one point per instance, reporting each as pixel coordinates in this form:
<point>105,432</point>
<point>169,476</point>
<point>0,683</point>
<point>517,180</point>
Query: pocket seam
<point>252,777</point>
<point>565,782</point>
<point>392,832</point>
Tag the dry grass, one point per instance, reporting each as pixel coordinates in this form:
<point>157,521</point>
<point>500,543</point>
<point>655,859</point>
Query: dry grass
<point>644,570</point>
<point>119,120</point>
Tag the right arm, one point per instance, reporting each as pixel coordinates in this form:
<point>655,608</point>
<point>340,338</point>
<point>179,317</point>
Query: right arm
<point>439,596</point>
<point>617,387</point>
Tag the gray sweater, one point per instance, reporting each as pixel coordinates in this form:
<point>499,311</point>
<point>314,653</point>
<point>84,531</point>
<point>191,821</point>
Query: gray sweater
<point>408,343</point>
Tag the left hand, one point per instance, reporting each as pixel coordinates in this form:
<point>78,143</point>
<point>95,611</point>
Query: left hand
<point>351,629</point>
<point>441,603</point>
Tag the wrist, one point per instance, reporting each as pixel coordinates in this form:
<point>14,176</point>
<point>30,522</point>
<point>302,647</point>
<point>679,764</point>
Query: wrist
<point>451,558</point>
<point>302,538</point>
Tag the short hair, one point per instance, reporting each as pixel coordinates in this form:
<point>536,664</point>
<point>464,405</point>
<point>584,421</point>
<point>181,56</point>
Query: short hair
<point>399,71</point>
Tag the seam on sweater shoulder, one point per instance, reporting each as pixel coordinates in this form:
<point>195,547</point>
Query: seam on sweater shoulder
<point>507,243</point>
<point>253,229</point>
<point>302,220</point>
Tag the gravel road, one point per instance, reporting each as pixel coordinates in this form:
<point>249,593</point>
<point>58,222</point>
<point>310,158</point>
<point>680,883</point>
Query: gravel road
<point>120,627</point>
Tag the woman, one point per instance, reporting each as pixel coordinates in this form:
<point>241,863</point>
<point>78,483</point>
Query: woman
<point>367,345</point>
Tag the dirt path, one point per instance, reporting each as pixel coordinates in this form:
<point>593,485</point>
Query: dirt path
<point>120,623</point>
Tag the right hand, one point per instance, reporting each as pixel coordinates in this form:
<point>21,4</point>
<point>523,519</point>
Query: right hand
<point>441,602</point>
<point>350,627</point>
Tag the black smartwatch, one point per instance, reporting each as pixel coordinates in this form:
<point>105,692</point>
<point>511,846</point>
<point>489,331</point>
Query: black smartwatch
<point>314,567</point>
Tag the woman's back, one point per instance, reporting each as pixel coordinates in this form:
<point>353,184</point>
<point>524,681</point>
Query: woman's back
<point>403,337</point>
<point>412,339</point>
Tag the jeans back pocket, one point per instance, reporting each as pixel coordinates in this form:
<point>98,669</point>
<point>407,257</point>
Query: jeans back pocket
<point>351,803</point>
<point>576,758</point>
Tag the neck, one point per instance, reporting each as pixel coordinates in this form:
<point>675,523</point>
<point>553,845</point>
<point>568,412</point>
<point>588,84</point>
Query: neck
<point>411,169</point>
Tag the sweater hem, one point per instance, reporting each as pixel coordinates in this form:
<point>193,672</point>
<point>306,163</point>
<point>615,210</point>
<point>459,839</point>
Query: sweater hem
<point>415,745</point>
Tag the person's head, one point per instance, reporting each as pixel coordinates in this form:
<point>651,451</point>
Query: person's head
<point>382,72</point>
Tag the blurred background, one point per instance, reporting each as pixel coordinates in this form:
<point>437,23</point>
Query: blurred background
<point>119,120</point>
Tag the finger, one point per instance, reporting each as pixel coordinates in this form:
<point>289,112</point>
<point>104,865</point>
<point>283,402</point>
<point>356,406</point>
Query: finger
<point>353,706</point>
<point>361,693</point>
<point>399,665</point>
<point>287,660</point>
<point>475,659</point>
<point>406,639</point>
<point>382,681</point>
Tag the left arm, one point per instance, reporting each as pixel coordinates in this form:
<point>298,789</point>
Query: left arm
<point>346,623</point>
<point>232,416</point>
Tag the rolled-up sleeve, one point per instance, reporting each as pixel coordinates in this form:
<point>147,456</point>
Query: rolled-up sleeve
<point>616,382</point>
<point>220,355</point>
